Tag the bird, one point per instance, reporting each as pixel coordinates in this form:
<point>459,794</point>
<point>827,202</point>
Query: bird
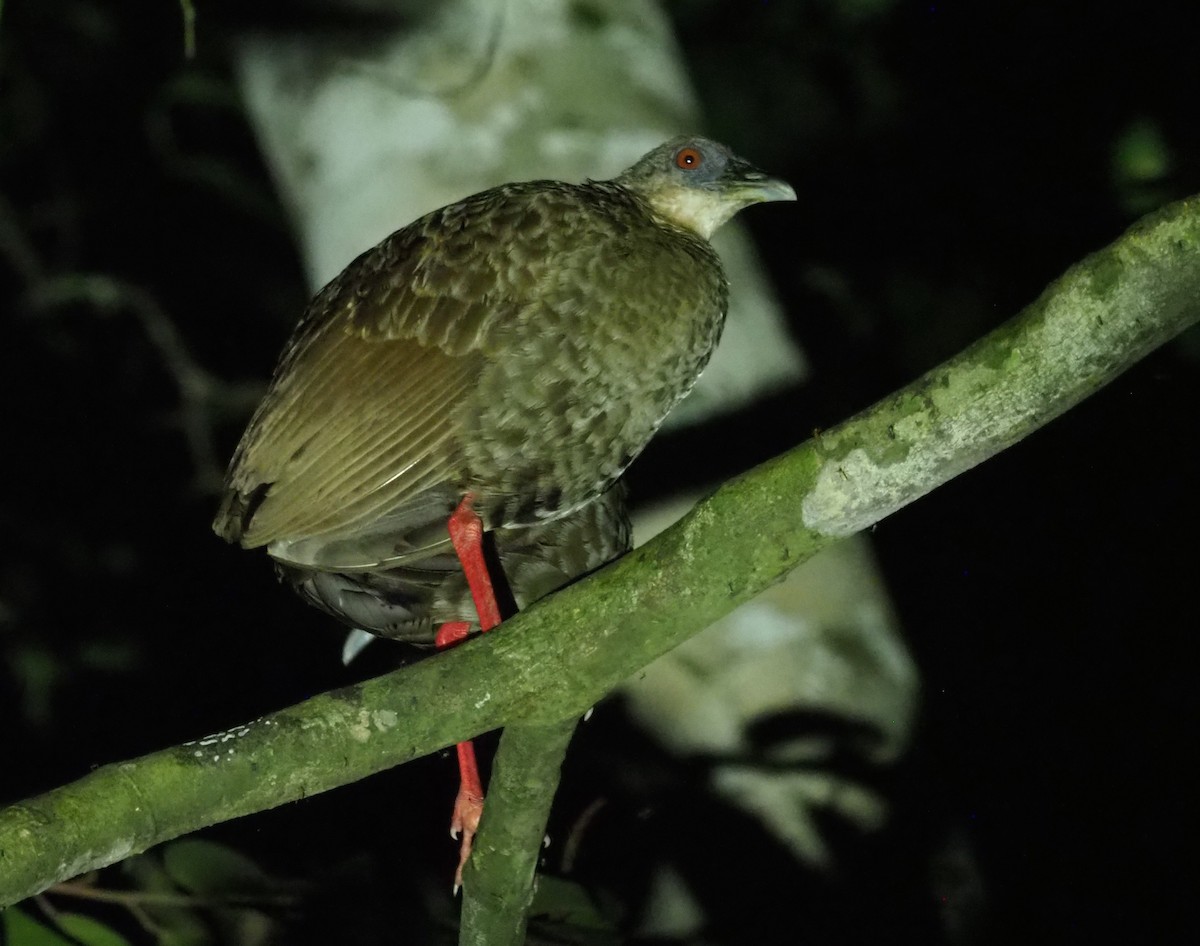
<point>468,393</point>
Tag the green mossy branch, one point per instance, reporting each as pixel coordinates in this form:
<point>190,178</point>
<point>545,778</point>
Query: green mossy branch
<point>564,654</point>
<point>499,877</point>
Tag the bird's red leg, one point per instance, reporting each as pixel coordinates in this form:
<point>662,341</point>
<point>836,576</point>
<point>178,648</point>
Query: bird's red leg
<point>466,534</point>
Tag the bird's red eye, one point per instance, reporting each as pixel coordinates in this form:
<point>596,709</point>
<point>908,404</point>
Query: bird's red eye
<point>688,159</point>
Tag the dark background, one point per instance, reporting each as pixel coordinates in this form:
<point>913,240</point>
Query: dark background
<point>950,160</point>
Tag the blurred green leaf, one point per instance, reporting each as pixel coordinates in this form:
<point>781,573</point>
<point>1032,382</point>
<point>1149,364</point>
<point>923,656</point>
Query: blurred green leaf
<point>206,867</point>
<point>564,912</point>
<point>89,931</point>
<point>20,929</point>
<point>1141,166</point>
<point>171,925</point>
<point>110,655</point>
<point>39,673</point>
<point>1141,154</point>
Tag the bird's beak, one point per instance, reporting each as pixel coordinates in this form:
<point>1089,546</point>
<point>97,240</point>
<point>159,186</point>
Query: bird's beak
<point>755,186</point>
<point>762,188</point>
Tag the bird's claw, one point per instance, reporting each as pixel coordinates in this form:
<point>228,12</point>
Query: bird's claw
<point>468,808</point>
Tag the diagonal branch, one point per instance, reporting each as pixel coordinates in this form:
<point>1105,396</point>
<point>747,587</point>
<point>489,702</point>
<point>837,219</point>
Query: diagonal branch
<point>564,654</point>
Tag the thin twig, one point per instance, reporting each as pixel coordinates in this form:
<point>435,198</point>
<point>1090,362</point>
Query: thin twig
<point>202,395</point>
<point>129,898</point>
<point>577,833</point>
<point>15,246</point>
<point>188,10</point>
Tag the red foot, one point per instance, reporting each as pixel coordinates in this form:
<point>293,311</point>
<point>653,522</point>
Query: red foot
<point>450,634</point>
<point>468,807</point>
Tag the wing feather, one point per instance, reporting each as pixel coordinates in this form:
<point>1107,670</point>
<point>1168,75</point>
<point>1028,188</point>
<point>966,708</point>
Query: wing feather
<point>366,412</point>
<point>357,441</point>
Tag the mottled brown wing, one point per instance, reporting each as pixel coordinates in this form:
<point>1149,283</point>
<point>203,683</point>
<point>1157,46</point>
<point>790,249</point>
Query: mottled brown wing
<point>361,414</point>
<point>365,425</point>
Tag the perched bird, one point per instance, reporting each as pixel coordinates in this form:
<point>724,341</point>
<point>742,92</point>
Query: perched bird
<point>488,370</point>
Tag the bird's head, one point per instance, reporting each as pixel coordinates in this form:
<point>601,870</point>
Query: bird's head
<point>698,184</point>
